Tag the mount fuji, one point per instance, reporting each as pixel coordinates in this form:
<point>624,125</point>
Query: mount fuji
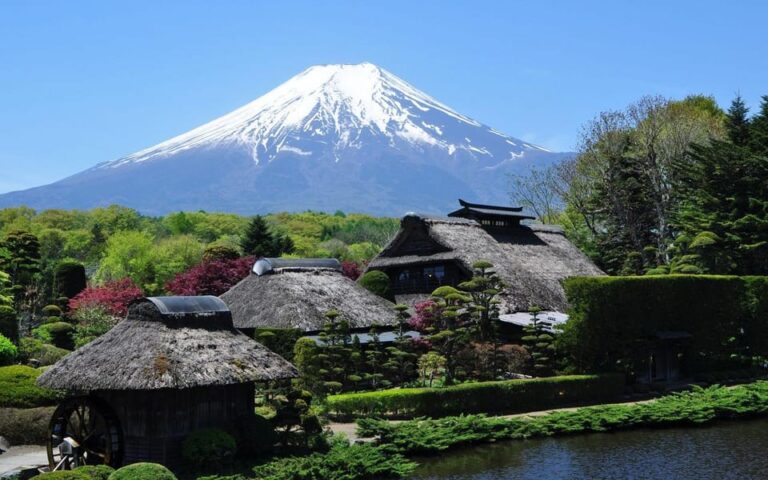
<point>335,137</point>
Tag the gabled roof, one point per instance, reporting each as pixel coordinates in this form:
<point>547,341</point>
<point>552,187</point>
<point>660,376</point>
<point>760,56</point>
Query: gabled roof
<point>300,298</point>
<point>532,260</point>
<point>168,342</point>
<point>469,210</point>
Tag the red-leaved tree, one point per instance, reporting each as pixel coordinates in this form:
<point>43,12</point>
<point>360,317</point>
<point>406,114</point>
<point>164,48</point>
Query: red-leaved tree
<point>211,277</point>
<point>426,314</point>
<point>350,269</point>
<point>113,296</point>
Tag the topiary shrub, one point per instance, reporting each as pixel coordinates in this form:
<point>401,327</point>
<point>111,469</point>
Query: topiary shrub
<point>9,323</point>
<point>96,472</point>
<point>209,447</point>
<point>143,471</point>
<point>70,278</point>
<point>62,475</point>
<point>18,388</point>
<point>44,354</point>
<point>377,282</point>
<point>256,435</point>
<point>52,311</point>
<point>25,426</point>
<point>59,334</point>
<point>8,351</point>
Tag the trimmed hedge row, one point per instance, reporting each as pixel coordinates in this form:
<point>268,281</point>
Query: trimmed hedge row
<point>612,319</point>
<point>508,396</point>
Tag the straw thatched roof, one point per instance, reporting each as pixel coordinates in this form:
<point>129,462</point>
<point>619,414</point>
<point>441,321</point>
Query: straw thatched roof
<point>168,342</point>
<point>300,297</point>
<point>532,260</point>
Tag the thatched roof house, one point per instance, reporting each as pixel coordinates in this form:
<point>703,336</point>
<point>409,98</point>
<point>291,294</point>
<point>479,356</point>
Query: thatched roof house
<point>532,260</point>
<point>296,293</point>
<point>173,366</point>
<point>168,342</point>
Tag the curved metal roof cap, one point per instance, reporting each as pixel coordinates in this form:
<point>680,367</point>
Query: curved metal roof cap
<point>185,305</point>
<point>278,263</point>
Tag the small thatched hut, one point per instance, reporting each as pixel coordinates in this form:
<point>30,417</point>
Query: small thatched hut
<point>173,366</point>
<point>532,260</point>
<point>296,293</point>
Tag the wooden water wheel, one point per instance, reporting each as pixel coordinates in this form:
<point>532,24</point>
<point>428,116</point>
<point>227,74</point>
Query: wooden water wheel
<point>84,431</point>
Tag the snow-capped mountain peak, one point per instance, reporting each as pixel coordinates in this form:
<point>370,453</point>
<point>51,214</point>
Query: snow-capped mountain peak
<point>330,108</point>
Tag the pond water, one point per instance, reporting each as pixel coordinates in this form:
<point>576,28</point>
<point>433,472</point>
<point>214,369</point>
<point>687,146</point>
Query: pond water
<point>729,450</point>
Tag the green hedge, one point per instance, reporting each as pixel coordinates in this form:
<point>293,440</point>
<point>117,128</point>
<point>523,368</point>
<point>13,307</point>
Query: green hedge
<point>25,426</point>
<point>18,389</point>
<point>509,396</point>
<point>612,319</point>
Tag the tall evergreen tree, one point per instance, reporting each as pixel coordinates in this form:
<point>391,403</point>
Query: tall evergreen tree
<point>261,242</point>
<point>758,132</point>
<point>737,122</point>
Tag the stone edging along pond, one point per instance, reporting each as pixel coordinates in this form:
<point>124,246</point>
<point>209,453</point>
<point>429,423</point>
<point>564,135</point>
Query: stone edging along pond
<point>701,405</point>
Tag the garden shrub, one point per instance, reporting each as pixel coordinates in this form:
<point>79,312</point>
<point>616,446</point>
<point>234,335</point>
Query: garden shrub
<point>63,475</point>
<point>8,351</point>
<point>143,471</point>
<point>9,324</point>
<point>279,340</point>
<point>341,461</point>
<point>46,354</point>
<point>25,426</point>
<point>51,311</point>
<point>509,396</point>
<point>613,318</point>
<point>18,389</point>
<point>209,447</point>
<point>70,278</point>
<point>96,472</point>
<point>377,282</point>
<point>256,435</point>
<point>59,334</point>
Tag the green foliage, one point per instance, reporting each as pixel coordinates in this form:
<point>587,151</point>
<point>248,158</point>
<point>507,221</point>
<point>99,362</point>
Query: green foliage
<point>209,448</point>
<point>377,282</point>
<point>280,340</point>
<point>256,436</point>
<point>143,471</point>
<point>9,323</point>
<point>60,334</point>
<point>46,354</point>
<point>539,343</point>
<point>18,389</point>
<point>8,351</point>
<point>613,319</point>
<point>25,426</point>
<point>96,472</point>
<point>342,462</point>
<point>699,406</point>
<point>509,396</point>
<point>63,475</point>
<point>260,241</point>
<point>70,278</point>
<point>91,323</point>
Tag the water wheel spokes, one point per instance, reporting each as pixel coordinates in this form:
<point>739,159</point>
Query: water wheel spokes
<point>84,431</point>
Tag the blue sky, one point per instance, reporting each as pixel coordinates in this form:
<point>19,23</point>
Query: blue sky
<point>84,82</point>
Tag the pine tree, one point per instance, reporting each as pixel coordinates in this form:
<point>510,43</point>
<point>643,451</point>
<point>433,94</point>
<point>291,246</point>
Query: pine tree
<point>737,122</point>
<point>758,132</point>
<point>260,241</point>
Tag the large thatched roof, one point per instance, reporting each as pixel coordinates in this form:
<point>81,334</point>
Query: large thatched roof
<point>532,260</point>
<point>168,342</point>
<point>300,297</point>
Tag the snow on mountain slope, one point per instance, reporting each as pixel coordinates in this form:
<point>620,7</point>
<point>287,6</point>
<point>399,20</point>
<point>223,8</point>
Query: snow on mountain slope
<point>352,137</point>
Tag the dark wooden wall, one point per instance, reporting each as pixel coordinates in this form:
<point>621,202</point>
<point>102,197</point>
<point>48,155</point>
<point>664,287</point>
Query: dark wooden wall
<point>155,423</point>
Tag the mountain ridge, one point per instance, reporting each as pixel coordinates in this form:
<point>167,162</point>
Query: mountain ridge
<point>349,137</point>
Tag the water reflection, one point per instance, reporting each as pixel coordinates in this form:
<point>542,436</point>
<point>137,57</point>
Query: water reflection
<point>734,450</point>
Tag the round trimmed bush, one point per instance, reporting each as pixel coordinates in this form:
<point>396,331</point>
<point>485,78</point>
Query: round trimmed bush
<point>96,472</point>
<point>143,471</point>
<point>209,447</point>
<point>8,351</point>
<point>44,353</point>
<point>52,311</point>
<point>70,278</point>
<point>18,388</point>
<point>377,282</point>
<point>60,334</point>
<point>62,475</point>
